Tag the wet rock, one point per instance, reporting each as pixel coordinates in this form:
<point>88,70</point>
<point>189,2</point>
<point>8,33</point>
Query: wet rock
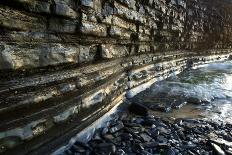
<point>149,122</point>
<point>227,137</point>
<point>131,131</point>
<point>123,116</point>
<point>181,135</point>
<point>189,145</point>
<point>79,147</point>
<point>120,152</point>
<point>163,130</point>
<point>126,136</point>
<point>108,137</point>
<point>128,124</point>
<point>76,148</point>
<point>162,139</point>
<point>153,126</point>
<point>138,109</point>
<point>149,135</point>
<point>161,124</point>
<point>176,136</point>
<point>155,133</point>
<point>229,151</point>
<point>144,152</point>
<point>166,109</point>
<point>217,149</point>
<point>179,104</point>
<point>138,120</point>
<point>96,136</point>
<point>116,127</point>
<point>137,148</point>
<point>107,148</point>
<point>145,137</point>
<point>139,129</point>
<point>162,106</point>
<point>190,152</point>
<point>104,131</point>
<point>155,145</point>
<point>171,151</point>
<point>221,141</point>
<point>150,116</point>
<point>195,100</point>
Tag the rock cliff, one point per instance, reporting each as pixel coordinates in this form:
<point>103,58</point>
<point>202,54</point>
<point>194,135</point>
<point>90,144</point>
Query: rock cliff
<point>65,63</point>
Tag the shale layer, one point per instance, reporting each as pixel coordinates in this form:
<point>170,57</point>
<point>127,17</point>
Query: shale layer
<point>65,63</point>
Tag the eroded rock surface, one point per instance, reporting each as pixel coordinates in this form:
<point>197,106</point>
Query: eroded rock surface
<point>66,63</point>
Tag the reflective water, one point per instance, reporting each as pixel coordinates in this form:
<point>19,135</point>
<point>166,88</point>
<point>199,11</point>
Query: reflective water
<point>211,83</point>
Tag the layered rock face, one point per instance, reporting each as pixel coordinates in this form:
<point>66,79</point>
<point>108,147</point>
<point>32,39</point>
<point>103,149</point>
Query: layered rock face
<point>65,63</point>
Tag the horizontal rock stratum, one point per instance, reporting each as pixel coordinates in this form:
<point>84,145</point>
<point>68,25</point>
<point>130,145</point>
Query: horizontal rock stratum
<point>65,63</point>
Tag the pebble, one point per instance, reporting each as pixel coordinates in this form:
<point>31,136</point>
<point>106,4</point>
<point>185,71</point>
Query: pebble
<point>117,127</point>
<point>217,149</point>
<point>139,133</point>
<point>120,152</point>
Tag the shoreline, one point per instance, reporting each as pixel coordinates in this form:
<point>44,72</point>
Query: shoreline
<point>147,134</point>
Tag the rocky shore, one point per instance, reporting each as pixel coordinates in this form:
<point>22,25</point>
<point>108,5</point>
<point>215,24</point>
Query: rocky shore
<point>66,63</point>
<point>136,131</point>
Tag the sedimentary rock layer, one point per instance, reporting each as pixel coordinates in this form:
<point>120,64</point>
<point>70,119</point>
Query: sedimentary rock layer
<point>63,63</point>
